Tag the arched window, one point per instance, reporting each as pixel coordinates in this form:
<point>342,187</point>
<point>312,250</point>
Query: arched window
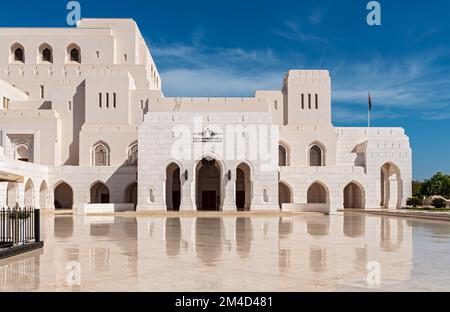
<point>17,53</point>
<point>73,53</point>
<point>23,153</point>
<point>101,155</point>
<point>282,156</point>
<point>133,155</point>
<point>46,53</point>
<point>316,156</point>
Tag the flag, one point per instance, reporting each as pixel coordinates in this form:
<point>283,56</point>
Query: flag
<point>370,103</point>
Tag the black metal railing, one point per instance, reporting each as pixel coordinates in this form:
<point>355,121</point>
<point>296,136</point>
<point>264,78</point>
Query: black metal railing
<point>19,226</point>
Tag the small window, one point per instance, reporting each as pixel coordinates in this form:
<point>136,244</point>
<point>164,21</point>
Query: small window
<point>303,101</point>
<point>98,54</point>
<point>70,105</point>
<point>309,101</point>
<point>114,100</point>
<point>107,100</point>
<point>100,100</point>
<point>42,92</point>
<point>276,105</point>
<point>317,101</point>
<point>125,56</point>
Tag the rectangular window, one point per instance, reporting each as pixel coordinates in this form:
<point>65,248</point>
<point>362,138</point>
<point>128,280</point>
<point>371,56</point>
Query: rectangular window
<point>42,92</point>
<point>317,101</point>
<point>107,100</point>
<point>70,105</point>
<point>309,101</point>
<point>276,105</point>
<point>100,100</point>
<point>303,101</point>
<point>114,100</point>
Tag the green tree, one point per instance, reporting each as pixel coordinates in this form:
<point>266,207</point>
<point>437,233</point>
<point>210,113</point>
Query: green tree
<point>439,184</point>
<point>417,189</point>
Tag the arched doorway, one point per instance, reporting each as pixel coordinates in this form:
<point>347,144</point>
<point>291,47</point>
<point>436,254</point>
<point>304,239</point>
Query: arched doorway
<point>208,185</point>
<point>391,186</point>
<point>43,196</point>
<point>99,193</point>
<point>131,194</point>
<point>63,196</point>
<point>12,194</point>
<point>284,194</point>
<point>243,187</point>
<point>354,196</point>
<point>173,187</point>
<point>29,194</point>
<point>317,194</point>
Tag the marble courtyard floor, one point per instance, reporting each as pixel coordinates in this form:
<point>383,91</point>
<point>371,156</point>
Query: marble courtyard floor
<point>344,252</point>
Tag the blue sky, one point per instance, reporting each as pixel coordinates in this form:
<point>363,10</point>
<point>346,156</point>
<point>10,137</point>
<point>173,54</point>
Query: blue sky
<point>232,48</point>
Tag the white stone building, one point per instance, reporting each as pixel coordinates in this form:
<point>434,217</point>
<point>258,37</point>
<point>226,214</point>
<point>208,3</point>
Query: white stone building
<point>76,103</point>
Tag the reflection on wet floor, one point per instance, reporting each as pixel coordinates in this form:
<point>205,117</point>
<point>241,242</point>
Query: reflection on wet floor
<point>295,253</point>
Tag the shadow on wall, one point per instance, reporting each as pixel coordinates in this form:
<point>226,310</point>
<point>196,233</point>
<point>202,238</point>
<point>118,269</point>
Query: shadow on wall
<point>78,106</point>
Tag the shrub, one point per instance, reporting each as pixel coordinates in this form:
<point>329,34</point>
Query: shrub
<point>414,202</point>
<point>439,203</point>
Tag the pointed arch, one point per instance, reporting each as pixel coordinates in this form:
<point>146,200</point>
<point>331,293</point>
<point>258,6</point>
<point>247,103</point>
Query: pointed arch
<point>63,195</point>
<point>12,194</point>
<point>73,53</point>
<point>209,177</point>
<point>101,154</point>
<point>99,193</point>
<point>17,53</point>
<point>391,186</point>
<point>43,195</point>
<point>316,154</point>
<point>133,154</point>
<point>173,187</point>
<point>285,194</point>
<point>243,186</point>
<point>284,154</point>
<point>318,193</point>
<point>45,53</point>
<point>29,194</point>
<point>354,195</point>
